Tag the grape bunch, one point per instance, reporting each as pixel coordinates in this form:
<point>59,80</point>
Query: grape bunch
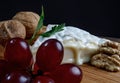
<point>18,66</point>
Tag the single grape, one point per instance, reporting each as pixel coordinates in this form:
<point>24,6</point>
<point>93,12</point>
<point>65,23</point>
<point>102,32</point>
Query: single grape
<point>49,55</point>
<point>18,53</point>
<point>42,79</point>
<point>67,73</point>
<point>17,77</point>
<point>6,67</point>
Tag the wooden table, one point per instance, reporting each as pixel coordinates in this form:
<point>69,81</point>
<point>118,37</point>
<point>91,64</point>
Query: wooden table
<point>95,75</point>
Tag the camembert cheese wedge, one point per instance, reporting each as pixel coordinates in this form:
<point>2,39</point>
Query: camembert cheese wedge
<point>79,45</point>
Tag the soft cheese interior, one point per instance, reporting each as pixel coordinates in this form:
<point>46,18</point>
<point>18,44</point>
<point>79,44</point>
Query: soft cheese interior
<point>79,45</point>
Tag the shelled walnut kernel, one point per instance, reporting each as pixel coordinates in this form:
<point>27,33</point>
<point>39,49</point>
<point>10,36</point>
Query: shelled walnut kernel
<point>108,57</point>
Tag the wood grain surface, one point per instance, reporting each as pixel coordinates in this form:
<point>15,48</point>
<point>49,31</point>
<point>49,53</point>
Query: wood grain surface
<point>95,75</point>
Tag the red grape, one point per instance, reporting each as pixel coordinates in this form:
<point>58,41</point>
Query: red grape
<point>6,67</point>
<point>18,53</point>
<point>2,68</point>
<point>2,64</point>
<point>17,77</point>
<point>67,73</point>
<point>47,68</point>
<point>43,79</point>
<point>49,55</point>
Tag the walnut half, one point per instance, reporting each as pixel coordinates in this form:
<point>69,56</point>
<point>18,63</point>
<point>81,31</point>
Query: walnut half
<point>110,63</point>
<point>108,57</point>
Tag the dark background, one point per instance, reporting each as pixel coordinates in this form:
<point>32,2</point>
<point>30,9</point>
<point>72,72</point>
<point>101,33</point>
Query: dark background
<point>99,17</point>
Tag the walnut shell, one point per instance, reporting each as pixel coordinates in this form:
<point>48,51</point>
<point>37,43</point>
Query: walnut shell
<point>10,29</point>
<point>29,20</point>
<point>2,23</point>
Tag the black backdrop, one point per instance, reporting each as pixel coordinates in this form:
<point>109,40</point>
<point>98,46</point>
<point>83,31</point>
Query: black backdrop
<point>99,17</point>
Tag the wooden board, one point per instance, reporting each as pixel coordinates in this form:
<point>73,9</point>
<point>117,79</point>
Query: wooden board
<point>95,75</point>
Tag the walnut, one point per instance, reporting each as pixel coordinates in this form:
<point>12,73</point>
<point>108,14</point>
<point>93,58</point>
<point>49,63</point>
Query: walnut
<point>10,29</point>
<point>110,63</point>
<point>109,50</point>
<point>1,23</point>
<point>112,44</point>
<point>29,20</point>
<point>108,56</point>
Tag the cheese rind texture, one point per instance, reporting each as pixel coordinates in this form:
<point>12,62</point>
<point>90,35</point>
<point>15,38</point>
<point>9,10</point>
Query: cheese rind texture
<point>79,45</point>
